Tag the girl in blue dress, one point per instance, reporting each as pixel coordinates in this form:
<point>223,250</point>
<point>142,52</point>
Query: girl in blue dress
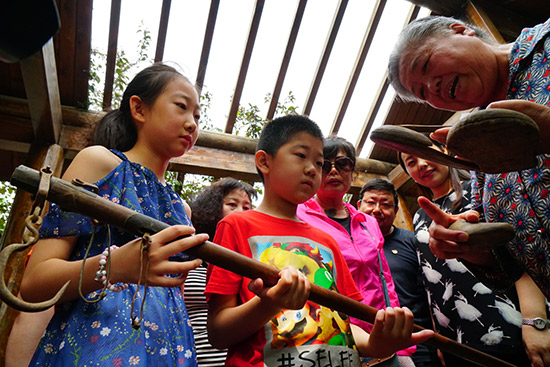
<point>157,120</point>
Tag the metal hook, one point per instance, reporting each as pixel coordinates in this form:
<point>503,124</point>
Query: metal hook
<point>32,222</point>
<point>17,303</point>
<point>5,294</point>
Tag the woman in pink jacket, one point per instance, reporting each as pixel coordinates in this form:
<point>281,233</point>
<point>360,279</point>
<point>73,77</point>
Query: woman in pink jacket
<point>358,235</point>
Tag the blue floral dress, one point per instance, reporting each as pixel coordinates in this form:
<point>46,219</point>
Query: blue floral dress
<point>101,334</point>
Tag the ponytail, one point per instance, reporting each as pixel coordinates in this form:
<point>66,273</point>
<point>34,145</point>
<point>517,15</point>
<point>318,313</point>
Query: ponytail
<point>116,131</point>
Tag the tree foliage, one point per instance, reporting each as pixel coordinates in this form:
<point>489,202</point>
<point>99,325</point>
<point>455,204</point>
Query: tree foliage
<point>7,194</point>
<point>123,68</point>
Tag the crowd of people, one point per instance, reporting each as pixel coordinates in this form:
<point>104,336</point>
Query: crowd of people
<point>141,301</point>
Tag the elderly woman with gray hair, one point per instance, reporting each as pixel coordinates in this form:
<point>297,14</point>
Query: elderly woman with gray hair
<point>454,66</point>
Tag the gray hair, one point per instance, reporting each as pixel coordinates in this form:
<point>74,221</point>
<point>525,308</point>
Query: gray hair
<point>416,33</point>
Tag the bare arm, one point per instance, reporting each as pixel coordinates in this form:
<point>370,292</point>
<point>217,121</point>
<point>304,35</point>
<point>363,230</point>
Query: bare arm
<point>533,304</point>
<point>225,317</point>
<point>48,268</point>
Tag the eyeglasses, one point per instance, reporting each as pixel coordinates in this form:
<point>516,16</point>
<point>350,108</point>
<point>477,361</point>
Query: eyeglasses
<point>373,204</point>
<point>342,164</point>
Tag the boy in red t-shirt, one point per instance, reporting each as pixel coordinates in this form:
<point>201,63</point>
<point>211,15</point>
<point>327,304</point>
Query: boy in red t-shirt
<point>277,326</point>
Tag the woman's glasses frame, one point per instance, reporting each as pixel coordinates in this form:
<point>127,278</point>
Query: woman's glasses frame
<point>342,164</point>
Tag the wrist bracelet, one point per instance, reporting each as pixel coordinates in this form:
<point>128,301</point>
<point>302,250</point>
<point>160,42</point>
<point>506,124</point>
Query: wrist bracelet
<point>101,273</point>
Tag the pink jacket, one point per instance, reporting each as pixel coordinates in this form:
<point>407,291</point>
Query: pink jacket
<point>360,251</point>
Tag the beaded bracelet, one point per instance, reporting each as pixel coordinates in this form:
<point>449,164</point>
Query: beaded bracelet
<point>101,273</point>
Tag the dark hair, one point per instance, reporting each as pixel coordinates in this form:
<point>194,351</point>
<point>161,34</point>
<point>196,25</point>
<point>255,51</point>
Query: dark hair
<point>279,131</point>
<point>412,36</point>
<point>379,184</point>
<point>455,175</point>
<point>207,205</point>
<point>333,144</point>
<point>117,129</point>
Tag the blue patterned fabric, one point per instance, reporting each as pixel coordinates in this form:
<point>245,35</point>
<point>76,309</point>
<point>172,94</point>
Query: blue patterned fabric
<point>522,198</point>
<point>100,334</point>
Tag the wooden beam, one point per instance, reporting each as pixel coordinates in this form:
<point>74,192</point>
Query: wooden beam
<point>255,24</point>
<point>286,59</point>
<point>511,16</point>
<point>403,219</point>
<point>163,26</point>
<point>65,49</point>
<point>111,54</point>
<point>216,162</point>
<point>82,51</point>
<point>79,125</point>
<point>40,79</point>
<point>373,112</point>
<point>380,94</point>
<point>443,7</point>
<point>358,66</point>
<point>475,14</point>
<point>207,43</point>
<point>398,177</point>
<point>323,61</point>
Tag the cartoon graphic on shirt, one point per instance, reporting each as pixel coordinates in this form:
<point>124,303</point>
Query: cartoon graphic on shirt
<point>313,324</point>
<point>305,258</point>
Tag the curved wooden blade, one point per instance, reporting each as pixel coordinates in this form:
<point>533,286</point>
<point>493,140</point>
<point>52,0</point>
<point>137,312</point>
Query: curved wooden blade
<point>407,141</point>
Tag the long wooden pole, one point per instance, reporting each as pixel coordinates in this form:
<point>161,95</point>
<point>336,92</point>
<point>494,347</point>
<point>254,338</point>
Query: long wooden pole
<point>76,199</point>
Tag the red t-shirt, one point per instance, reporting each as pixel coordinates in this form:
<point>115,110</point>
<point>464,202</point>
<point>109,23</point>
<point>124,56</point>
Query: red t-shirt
<point>312,336</point>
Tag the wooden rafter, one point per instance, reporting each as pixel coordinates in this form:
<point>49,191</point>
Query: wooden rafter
<point>476,15</point>
<point>244,65</point>
<point>40,79</point>
<point>373,113</point>
<point>111,54</point>
<point>380,95</point>
<point>286,58</point>
<point>323,61</point>
<point>207,43</point>
<point>163,27</point>
<point>358,66</point>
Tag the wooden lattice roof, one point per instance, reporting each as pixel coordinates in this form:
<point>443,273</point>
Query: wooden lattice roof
<point>42,96</point>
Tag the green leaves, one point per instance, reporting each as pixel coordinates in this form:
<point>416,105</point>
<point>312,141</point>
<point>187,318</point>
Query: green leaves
<point>7,194</point>
<point>123,66</point>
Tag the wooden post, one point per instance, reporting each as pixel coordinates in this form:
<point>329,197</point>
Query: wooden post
<point>39,157</point>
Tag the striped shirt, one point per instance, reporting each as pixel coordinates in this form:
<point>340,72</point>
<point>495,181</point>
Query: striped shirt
<point>195,301</point>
